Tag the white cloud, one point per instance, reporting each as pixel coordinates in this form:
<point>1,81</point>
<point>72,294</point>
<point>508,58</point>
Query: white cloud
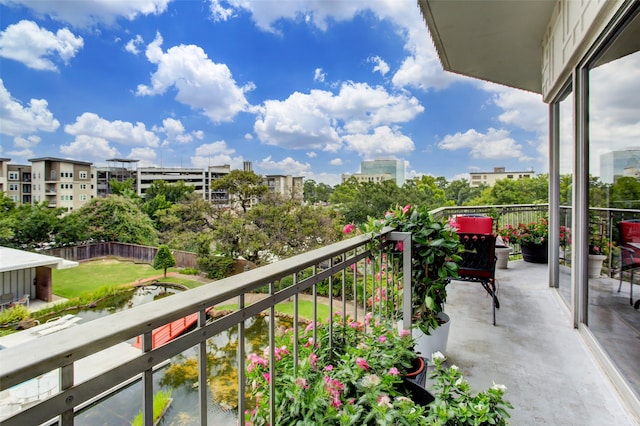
<point>311,154</point>
<point>87,13</point>
<point>383,142</point>
<point>36,47</point>
<point>122,132</point>
<point>175,132</point>
<point>287,166</point>
<point>381,66</point>
<point>336,162</point>
<point>29,142</point>
<point>495,144</point>
<point>319,75</point>
<point>248,136</point>
<point>320,119</point>
<point>147,156</point>
<point>17,120</point>
<point>216,154</point>
<point>200,83</point>
<point>219,12</point>
<point>133,44</point>
<point>91,148</point>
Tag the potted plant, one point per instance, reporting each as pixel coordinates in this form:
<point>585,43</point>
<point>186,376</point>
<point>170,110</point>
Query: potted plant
<point>357,379</point>
<point>598,250</point>
<point>434,257</point>
<point>532,238</point>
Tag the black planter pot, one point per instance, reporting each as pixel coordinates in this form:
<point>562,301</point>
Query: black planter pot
<point>416,392</point>
<point>535,253</point>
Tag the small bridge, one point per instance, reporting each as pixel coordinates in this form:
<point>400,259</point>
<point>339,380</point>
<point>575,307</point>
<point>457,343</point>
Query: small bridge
<point>168,332</point>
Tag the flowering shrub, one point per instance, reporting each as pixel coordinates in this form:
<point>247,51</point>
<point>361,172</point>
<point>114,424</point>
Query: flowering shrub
<point>526,234</point>
<point>354,381</point>
<point>455,404</point>
<point>434,262</point>
<point>598,243</point>
<point>565,236</point>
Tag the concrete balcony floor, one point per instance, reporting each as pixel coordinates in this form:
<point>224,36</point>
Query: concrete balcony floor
<point>552,376</point>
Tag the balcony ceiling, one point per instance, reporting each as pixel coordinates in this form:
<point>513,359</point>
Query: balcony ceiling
<point>498,41</point>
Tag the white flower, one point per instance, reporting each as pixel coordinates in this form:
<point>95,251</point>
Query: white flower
<point>501,388</point>
<point>437,356</point>
<point>370,381</point>
<point>454,367</point>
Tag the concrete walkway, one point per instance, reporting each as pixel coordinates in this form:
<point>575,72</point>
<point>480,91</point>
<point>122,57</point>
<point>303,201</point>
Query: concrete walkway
<point>552,377</point>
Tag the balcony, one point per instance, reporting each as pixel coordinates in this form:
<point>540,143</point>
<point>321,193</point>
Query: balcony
<point>533,350</point>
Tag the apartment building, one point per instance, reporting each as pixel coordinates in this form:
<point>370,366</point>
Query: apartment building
<point>68,184</point>
<point>498,173</point>
<point>286,185</point>
<point>145,176</point>
<point>18,186</point>
<point>3,173</point>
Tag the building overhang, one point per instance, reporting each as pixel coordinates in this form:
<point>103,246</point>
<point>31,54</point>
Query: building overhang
<point>12,260</point>
<point>498,41</point>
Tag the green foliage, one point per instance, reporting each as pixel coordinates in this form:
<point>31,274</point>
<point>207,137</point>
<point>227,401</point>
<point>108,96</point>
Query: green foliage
<point>316,192</point>
<point>14,315</point>
<point>216,267</point>
<point>33,224</point>
<point>242,185</point>
<point>522,191</point>
<point>455,403</point>
<point>625,193</point>
<point>117,218</point>
<point>164,259</point>
<point>536,232</point>
<point>160,401</point>
<point>189,271</point>
<point>124,188</point>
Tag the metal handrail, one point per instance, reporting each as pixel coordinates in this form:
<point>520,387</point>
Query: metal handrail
<point>64,349</point>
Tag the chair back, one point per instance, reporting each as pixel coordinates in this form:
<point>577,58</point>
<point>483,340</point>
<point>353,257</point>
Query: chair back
<point>479,251</point>
<point>474,224</point>
<point>629,231</point>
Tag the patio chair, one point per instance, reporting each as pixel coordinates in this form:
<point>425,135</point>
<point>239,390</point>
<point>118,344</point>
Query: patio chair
<point>23,300</point>
<point>479,263</point>
<point>629,231</point>
<point>5,300</point>
<point>474,223</point>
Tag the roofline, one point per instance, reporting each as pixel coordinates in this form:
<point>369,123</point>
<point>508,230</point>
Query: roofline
<point>60,160</point>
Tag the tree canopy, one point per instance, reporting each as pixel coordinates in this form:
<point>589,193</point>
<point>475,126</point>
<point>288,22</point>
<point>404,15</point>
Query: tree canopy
<point>242,185</point>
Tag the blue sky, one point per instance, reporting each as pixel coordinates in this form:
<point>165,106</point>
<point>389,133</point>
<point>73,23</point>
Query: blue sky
<point>306,88</point>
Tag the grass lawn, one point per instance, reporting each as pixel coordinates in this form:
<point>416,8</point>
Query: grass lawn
<point>95,274</point>
<point>305,309</point>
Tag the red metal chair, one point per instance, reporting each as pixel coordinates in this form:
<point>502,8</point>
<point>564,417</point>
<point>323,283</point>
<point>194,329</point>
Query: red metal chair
<point>474,224</point>
<point>629,252</point>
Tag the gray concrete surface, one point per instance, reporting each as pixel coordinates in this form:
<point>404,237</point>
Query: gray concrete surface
<point>552,377</point>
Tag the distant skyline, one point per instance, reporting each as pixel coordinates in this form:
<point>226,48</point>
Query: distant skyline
<point>303,88</point>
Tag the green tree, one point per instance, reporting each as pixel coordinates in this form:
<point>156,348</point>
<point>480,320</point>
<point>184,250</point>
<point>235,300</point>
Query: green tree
<point>7,210</point>
<point>124,188</point>
<point>182,223</point>
<point>461,192</point>
<point>164,259</point>
<point>118,218</point>
<point>242,185</point>
<point>625,193</point>
<point>359,200</point>
<point>33,224</point>
<point>316,192</point>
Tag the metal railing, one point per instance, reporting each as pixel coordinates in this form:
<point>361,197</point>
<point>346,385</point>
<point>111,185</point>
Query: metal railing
<point>65,350</point>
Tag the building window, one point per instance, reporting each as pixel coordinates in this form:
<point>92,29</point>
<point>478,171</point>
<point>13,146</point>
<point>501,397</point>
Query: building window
<point>13,187</point>
<point>13,175</point>
<point>83,197</point>
<point>83,175</point>
<point>14,198</point>
<point>509,176</point>
<point>83,186</point>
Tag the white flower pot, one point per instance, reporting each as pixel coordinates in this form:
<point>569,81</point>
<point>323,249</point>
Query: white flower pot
<point>595,265</point>
<point>502,254</point>
<point>426,344</point>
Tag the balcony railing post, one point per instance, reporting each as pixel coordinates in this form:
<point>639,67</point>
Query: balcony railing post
<point>66,381</point>
<point>202,370</point>
<point>147,384</point>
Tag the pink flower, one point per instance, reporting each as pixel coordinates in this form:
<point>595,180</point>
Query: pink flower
<point>405,333</point>
<point>367,318</point>
<point>267,377</point>
<point>393,371</point>
<point>348,228</point>
<point>389,214</point>
<point>281,351</point>
<point>256,360</point>
<point>354,325</point>
<point>328,367</point>
<point>382,339</point>
<point>313,359</point>
<point>384,400</point>
<point>400,246</point>
<point>362,363</point>
<point>406,209</point>
<point>302,382</point>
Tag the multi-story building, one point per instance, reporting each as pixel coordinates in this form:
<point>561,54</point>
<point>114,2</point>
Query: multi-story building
<point>197,178</point>
<point>19,183</point>
<point>498,173</point>
<point>616,164</point>
<point>379,171</point>
<point>62,183</point>
<point>286,185</point>
<point>120,169</point>
<point>3,173</point>
<point>219,197</point>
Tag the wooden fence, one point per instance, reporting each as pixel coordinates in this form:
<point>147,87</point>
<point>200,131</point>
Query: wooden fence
<point>142,254</point>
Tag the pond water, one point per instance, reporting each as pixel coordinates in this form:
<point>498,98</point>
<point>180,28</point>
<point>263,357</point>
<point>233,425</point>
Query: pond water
<point>180,373</point>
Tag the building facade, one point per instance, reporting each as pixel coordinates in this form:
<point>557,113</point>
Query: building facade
<point>378,171</point>
<point>287,186</point>
<point>490,178</point>
<point>62,183</point>
<point>617,164</point>
<point>18,186</point>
